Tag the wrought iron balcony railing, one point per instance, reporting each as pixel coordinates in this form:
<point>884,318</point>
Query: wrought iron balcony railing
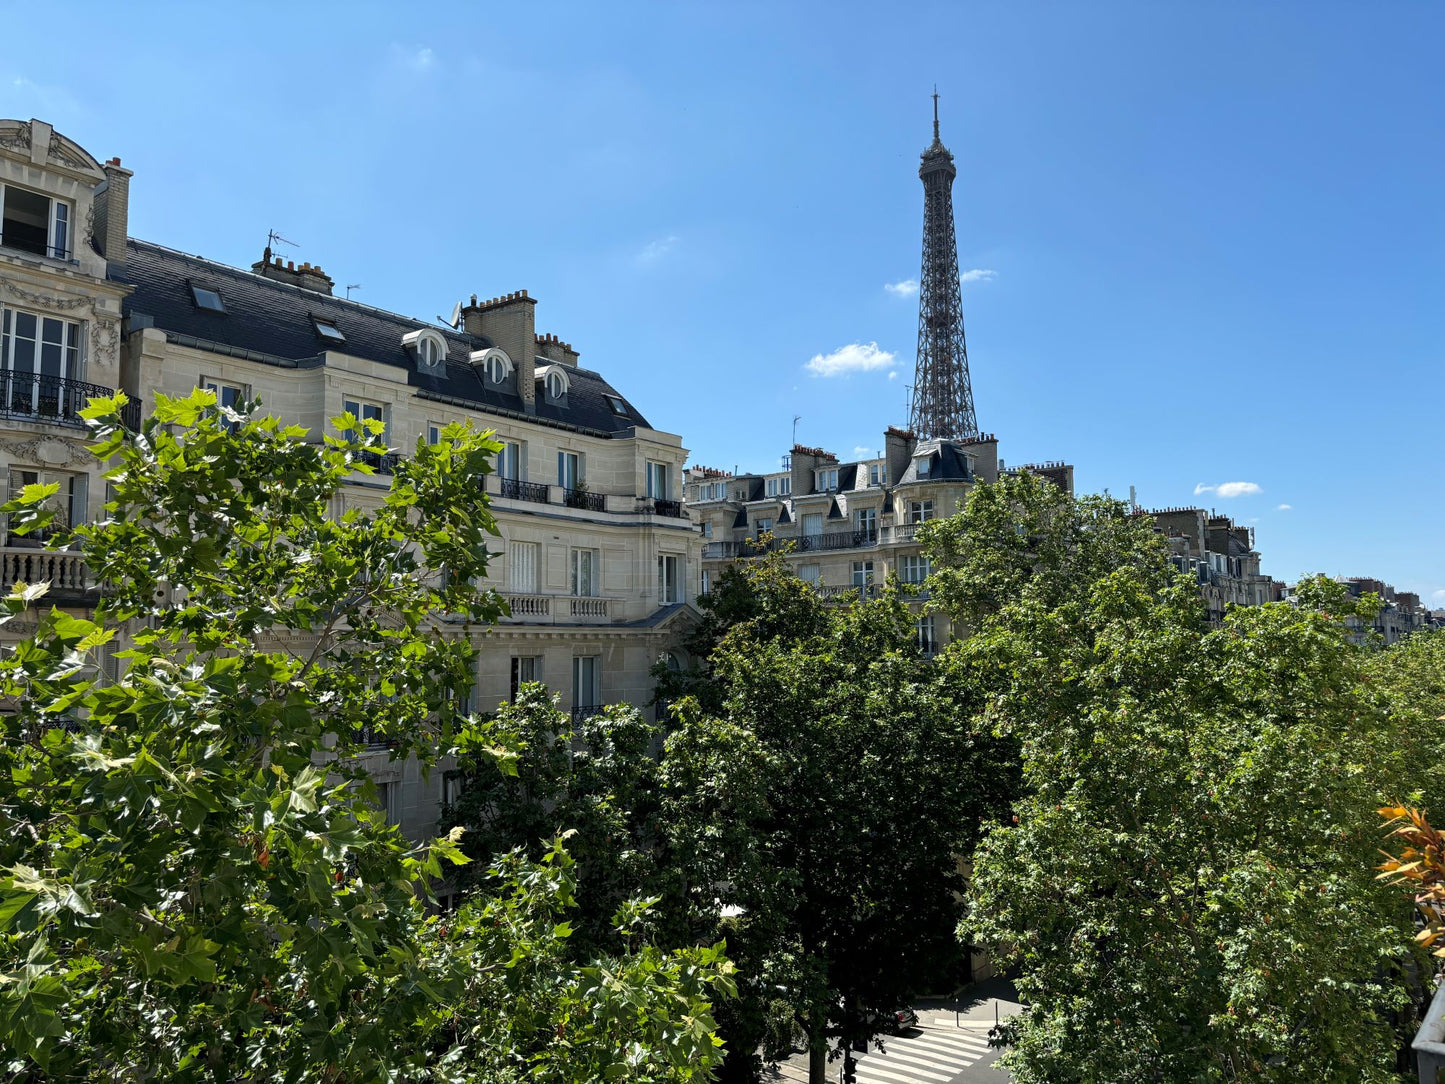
<point>54,399</point>
<point>583,498</point>
<point>381,463</point>
<point>667,508</point>
<point>516,490</point>
<point>33,242</point>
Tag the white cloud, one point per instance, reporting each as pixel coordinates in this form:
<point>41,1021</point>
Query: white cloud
<point>656,250</point>
<point>416,59</point>
<point>1230,489</point>
<point>860,452</point>
<point>893,374</point>
<point>1438,596</point>
<point>978,274</point>
<point>906,288</point>
<point>853,358</point>
<point>1285,508</point>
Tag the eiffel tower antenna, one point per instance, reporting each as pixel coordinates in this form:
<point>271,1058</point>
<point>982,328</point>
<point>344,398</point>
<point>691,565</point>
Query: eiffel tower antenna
<point>942,391</point>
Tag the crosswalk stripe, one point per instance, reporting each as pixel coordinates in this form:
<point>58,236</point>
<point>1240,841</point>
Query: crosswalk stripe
<point>926,1056</point>
<point>867,1071</point>
<point>961,1038</point>
<point>942,1068</point>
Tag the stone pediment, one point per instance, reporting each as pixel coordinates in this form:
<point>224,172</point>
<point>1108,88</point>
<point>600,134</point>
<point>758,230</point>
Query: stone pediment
<point>42,145</point>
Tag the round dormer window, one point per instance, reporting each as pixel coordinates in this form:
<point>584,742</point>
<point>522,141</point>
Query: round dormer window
<point>428,346</point>
<point>556,384</point>
<point>493,364</point>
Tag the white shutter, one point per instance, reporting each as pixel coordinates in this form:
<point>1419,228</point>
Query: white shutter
<point>523,558</point>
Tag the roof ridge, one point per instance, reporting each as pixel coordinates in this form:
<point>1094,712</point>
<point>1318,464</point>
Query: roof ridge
<point>300,290</point>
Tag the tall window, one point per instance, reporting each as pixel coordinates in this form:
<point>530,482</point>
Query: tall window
<point>509,461</point>
<point>865,521</point>
<point>569,469</point>
<point>586,681</point>
<point>923,629</point>
<point>812,524</point>
<point>231,396</point>
<point>433,433</point>
<point>827,479</point>
<point>524,668</point>
<point>772,487</point>
<point>920,511</point>
<point>362,409</point>
<point>809,573</point>
<point>704,582</point>
<point>389,799</point>
<point>584,573</point>
<point>669,583</point>
<point>707,530</point>
<point>34,346</point>
<point>764,525</point>
<point>522,557</point>
<point>658,488</point>
<point>862,573</point>
<point>922,465</point>
<point>878,474</point>
<point>914,568</point>
<point>34,223</point>
<point>785,485</point>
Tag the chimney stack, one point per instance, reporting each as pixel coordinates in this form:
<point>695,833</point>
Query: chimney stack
<point>305,276</point>
<point>112,214</point>
<point>510,323</point>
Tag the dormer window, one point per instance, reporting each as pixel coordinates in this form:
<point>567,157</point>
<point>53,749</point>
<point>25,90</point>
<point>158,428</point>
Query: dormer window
<point>494,365</point>
<point>329,331</point>
<point>828,480</point>
<point>34,223</point>
<point>429,348</point>
<point>207,299</point>
<point>922,465</point>
<point>555,383</point>
<point>618,406</point>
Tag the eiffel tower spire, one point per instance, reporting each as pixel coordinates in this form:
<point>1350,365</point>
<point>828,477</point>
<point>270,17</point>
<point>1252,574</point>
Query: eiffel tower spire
<point>942,392</point>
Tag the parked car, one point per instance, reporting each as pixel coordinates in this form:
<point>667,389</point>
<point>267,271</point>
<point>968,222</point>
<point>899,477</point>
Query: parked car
<point>896,1022</point>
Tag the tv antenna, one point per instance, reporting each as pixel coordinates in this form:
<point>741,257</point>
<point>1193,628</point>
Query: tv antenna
<point>351,286</point>
<point>796,419</point>
<point>271,238</point>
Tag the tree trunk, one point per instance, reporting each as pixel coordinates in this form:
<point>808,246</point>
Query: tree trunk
<point>817,1058</point>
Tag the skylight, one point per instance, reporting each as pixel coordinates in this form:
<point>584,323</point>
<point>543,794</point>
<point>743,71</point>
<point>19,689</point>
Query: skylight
<point>617,405</point>
<point>330,332</point>
<point>206,299</point>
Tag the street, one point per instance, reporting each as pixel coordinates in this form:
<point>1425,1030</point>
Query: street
<point>949,1045</point>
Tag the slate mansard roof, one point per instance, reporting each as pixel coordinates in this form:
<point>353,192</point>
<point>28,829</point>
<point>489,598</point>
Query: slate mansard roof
<point>274,322</point>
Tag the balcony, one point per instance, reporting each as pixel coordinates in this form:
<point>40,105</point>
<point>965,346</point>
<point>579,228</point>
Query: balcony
<point>382,463</point>
<point>668,508</point>
<point>560,609</point>
<point>587,711</point>
<point>583,498</point>
<point>33,241</point>
<point>847,593</point>
<point>55,400</point>
<point>514,489</point>
<point>65,571</point>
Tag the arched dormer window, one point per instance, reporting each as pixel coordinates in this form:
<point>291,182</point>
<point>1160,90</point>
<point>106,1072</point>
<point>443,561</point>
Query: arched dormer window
<point>555,382</point>
<point>429,348</point>
<point>494,365</point>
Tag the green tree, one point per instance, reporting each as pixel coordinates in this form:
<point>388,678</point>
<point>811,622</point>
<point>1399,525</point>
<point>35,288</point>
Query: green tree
<point>822,810</point>
<point>195,881</point>
<point>1186,891</point>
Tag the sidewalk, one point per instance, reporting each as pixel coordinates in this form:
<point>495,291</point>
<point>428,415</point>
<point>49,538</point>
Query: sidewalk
<point>977,1006</point>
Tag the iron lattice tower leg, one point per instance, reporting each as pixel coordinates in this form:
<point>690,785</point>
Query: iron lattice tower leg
<point>942,391</point>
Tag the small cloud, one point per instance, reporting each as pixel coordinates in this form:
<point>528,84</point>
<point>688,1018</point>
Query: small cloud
<point>906,288</point>
<point>1229,489</point>
<point>860,452</point>
<point>414,58</point>
<point>853,358</point>
<point>978,274</point>
<point>1284,508</point>
<point>656,250</point>
<point>893,374</point>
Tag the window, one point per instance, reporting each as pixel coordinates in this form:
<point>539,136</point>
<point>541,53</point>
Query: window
<point>920,511</point>
<point>494,365</point>
<point>812,524</point>
<point>68,503</point>
<point>569,469</point>
<point>522,561</point>
<point>707,530</point>
<point>878,474</point>
<point>827,479</point>
<point>452,786</point>
<point>914,568</point>
<point>809,573</point>
<point>509,461</point>
<point>764,525</point>
<point>37,353</point>
<point>34,223</point>
<point>669,584</point>
<point>865,521</point>
<point>586,681</point>
<point>922,464</point>
<point>525,668</point>
<point>704,582</point>
<point>556,385</point>
<point>785,485</point>
<point>584,573</point>
<point>618,406</point>
<point>658,488</point>
<point>207,299</point>
<point>428,346</point>
<point>328,331</point>
<point>862,573</point>
<point>230,396</point>
<point>433,432</point>
<point>924,631</point>
<point>389,800</point>
<point>772,487</point>
<point>364,410</point>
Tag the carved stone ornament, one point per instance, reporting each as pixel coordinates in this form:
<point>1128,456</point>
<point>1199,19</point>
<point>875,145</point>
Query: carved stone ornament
<point>105,341</point>
<point>45,301</point>
<point>49,451</point>
<point>16,138</point>
<point>58,152</point>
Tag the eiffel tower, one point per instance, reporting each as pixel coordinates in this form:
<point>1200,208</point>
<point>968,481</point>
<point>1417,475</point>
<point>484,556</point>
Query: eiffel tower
<point>942,404</point>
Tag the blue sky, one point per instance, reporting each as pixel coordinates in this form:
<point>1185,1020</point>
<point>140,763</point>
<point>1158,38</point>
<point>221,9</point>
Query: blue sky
<point>1206,242</point>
